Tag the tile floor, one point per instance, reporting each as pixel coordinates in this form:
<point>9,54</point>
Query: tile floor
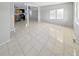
<point>41,39</point>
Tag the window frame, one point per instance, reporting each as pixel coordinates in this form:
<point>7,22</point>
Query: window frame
<point>56,10</point>
<point>54,17</point>
<point>62,14</point>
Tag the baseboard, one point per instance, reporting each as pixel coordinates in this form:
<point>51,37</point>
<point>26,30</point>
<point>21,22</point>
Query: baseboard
<point>5,42</point>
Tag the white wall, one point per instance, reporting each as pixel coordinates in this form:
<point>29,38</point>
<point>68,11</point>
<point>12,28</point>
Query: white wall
<point>76,21</point>
<point>4,22</point>
<point>12,16</point>
<point>68,14</point>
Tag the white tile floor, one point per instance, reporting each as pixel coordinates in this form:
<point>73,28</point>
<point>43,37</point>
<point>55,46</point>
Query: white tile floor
<point>41,39</point>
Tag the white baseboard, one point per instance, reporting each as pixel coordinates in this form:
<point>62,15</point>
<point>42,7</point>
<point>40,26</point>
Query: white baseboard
<point>4,42</point>
<point>12,30</point>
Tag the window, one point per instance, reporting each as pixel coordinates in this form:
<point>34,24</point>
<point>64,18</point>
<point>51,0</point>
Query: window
<point>52,14</point>
<point>56,14</point>
<point>60,13</point>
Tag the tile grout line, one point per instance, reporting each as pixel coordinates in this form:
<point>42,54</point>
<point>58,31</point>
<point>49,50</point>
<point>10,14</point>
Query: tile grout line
<point>40,49</point>
<point>20,47</point>
<point>8,48</point>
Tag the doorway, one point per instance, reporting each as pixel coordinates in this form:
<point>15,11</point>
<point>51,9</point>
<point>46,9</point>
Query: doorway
<point>33,15</point>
